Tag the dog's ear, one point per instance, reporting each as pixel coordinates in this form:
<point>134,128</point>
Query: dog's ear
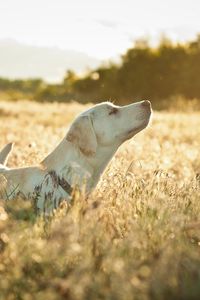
<point>81,134</point>
<point>5,153</point>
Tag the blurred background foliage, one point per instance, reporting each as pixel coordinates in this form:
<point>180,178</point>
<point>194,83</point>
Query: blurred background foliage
<point>144,72</point>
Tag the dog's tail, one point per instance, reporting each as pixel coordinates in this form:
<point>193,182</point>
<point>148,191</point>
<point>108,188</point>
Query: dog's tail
<point>4,153</point>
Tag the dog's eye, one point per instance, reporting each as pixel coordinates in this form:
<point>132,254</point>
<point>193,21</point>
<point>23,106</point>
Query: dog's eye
<point>113,111</point>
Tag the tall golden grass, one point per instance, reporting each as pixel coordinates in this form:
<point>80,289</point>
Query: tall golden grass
<point>138,234</point>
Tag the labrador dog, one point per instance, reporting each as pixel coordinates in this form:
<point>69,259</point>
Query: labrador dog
<point>80,158</point>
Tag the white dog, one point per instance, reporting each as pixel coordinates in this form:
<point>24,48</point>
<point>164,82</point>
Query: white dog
<point>79,159</point>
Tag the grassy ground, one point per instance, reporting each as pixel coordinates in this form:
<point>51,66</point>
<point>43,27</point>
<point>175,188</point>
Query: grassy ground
<point>136,237</point>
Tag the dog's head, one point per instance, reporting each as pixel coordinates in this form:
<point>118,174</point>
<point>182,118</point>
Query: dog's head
<point>107,125</point>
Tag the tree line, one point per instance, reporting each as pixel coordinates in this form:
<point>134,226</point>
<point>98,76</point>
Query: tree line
<point>145,72</point>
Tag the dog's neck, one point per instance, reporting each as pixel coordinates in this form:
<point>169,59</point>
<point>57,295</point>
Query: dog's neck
<point>62,155</point>
<point>65,154</point>
<point>99,162</point>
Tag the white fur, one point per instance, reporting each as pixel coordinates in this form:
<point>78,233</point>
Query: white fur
<point>80,158</point>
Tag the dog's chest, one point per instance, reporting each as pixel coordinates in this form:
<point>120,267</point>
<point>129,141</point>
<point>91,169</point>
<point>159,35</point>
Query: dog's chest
<point>51,192</point>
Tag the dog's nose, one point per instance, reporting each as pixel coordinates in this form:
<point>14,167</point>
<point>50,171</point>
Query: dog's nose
<point>146,103</point>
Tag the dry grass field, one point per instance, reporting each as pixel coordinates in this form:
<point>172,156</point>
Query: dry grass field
<point>136,237</point>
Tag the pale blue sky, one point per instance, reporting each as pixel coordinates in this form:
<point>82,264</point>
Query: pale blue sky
<point>103,29</point>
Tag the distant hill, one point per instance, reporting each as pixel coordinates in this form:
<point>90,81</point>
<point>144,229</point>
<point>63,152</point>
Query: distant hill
<point>23,61</point>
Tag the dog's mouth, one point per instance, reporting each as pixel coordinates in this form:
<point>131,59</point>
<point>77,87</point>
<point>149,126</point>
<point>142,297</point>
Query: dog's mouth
<point>137,129</point>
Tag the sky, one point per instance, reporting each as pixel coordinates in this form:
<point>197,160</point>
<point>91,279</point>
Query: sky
<point>103,28</point>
